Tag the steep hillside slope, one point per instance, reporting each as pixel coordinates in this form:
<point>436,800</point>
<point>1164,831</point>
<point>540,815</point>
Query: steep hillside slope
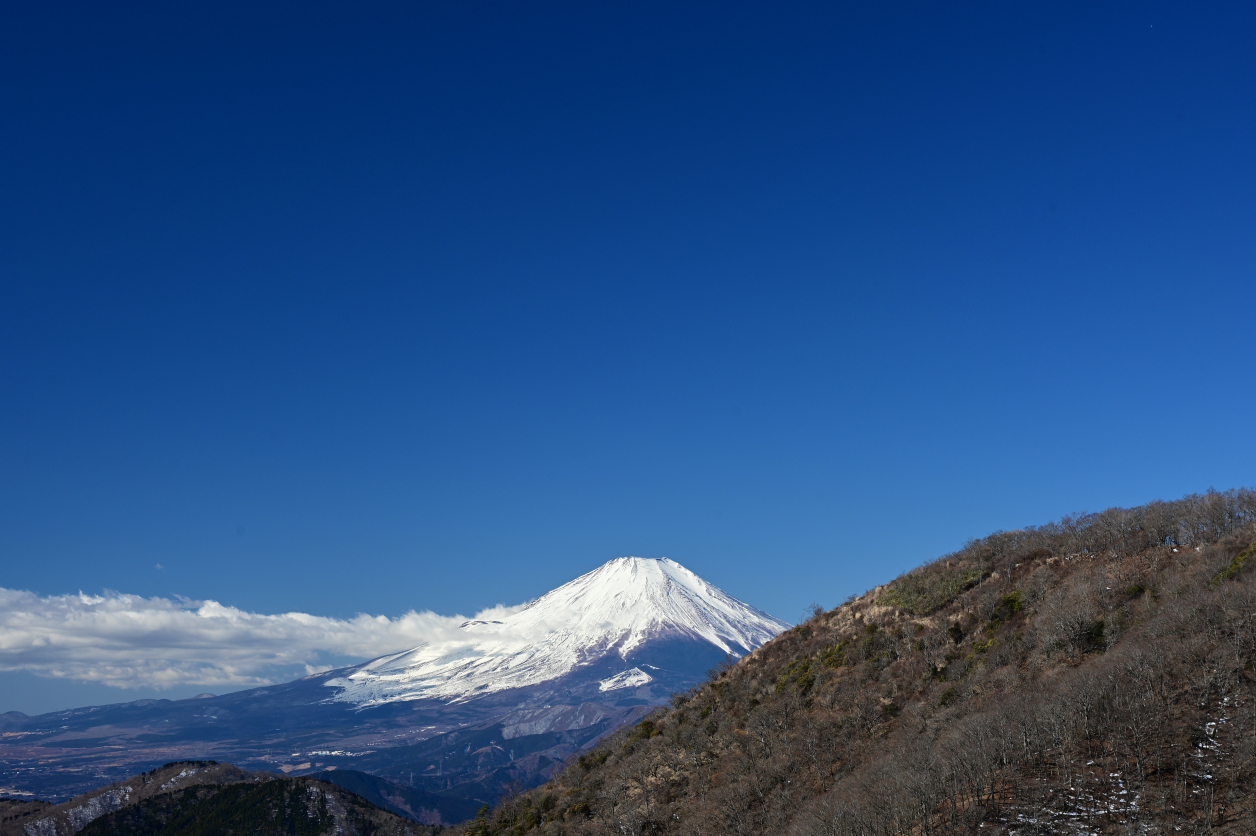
<point>1093,675</point>
<point>203,798</point>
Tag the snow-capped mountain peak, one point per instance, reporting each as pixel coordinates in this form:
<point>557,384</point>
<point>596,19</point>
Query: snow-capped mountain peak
<point>632,597</point>
<point>610,612</point>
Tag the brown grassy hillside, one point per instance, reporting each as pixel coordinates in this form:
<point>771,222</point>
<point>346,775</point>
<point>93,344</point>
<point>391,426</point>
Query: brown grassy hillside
<point>1092,675</point>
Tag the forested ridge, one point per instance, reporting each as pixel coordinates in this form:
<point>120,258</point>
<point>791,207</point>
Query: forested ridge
<point>1091,675</point>
<point>281,807</point>
<point>206,798</point>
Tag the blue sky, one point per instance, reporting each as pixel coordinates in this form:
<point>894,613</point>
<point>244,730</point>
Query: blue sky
<point>342,310</point>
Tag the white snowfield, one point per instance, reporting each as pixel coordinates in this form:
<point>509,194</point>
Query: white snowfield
<point>611,610</point>
<point>631,678</point>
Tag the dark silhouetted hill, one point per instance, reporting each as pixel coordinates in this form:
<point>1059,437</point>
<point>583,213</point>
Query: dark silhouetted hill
<point>204,798</point>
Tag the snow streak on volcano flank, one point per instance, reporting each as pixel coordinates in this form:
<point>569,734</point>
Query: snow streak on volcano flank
<point>621,607</point>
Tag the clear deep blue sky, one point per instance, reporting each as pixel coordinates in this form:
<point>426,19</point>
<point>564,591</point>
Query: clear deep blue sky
<point>335,309</point>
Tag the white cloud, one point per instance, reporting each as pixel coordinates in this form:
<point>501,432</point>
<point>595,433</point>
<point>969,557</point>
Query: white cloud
<point>130,641</point>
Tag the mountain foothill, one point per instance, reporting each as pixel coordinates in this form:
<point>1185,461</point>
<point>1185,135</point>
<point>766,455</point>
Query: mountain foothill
<point>1092,675</point>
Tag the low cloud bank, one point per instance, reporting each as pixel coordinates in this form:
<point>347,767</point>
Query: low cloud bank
<point>128,641</point>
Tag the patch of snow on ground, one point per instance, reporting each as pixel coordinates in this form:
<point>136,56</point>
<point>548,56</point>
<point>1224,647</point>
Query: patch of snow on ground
<point>631,678</point>
<point>182,774</point>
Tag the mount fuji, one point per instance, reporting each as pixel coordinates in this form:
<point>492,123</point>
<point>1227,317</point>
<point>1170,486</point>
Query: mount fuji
<point>630,610</point>
<point>500,704</point>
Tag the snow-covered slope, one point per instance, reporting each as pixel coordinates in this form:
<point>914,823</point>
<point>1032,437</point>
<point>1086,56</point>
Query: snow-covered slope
<point>620,607</point>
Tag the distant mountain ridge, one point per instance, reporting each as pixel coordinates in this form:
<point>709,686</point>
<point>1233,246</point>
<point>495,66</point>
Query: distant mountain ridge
<point>504,704</point>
